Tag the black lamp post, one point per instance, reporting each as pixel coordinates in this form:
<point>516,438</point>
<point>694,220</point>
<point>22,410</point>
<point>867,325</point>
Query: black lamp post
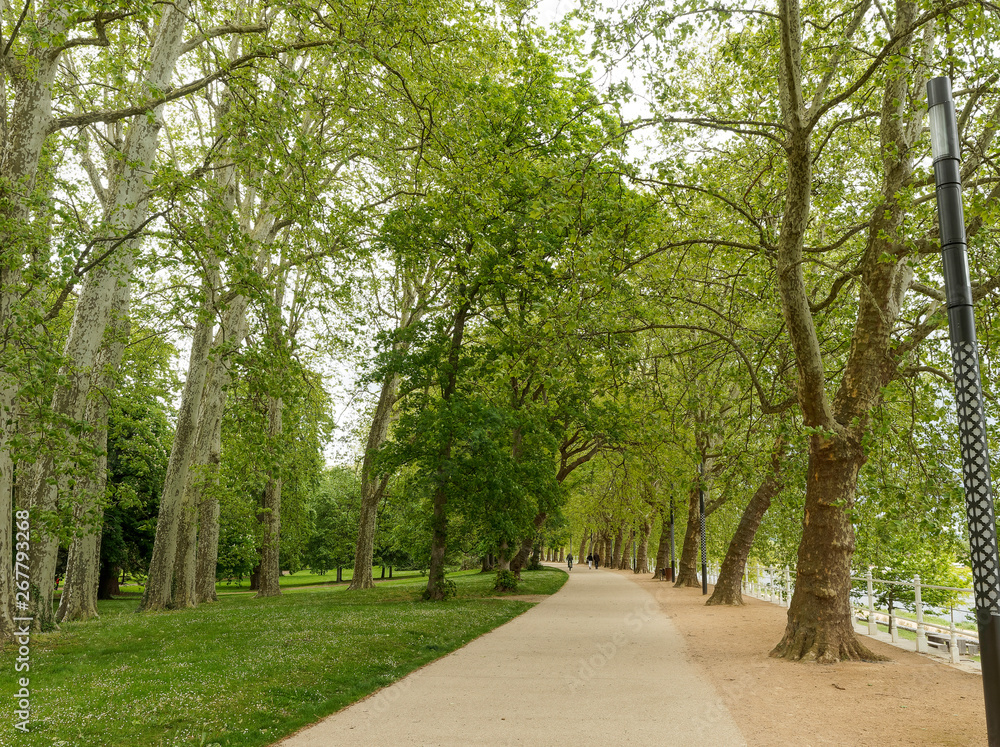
<point>701,510</point>
<point>968,392</point>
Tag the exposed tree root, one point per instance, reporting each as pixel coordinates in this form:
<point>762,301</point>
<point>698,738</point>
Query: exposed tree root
<point>826,645</point>
<point>687,578</point>
<point>724,596</point>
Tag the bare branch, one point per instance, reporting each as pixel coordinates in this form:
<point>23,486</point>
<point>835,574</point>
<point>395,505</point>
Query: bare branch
<point>221,31</point>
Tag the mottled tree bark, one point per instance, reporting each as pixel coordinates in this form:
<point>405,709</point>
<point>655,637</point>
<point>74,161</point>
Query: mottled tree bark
<point>160,588</point>
<point>125,210</point>
<point>21,142</point>
<point>819,626</point>
<point>79,596</point>
<point>208,523</point>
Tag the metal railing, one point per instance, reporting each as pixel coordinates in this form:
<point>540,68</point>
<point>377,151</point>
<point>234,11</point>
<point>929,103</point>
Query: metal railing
<point>776,584</point>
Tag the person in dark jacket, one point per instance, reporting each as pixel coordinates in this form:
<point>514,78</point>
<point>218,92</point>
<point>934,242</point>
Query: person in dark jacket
<point>597,560</point>
<point>590,561</point>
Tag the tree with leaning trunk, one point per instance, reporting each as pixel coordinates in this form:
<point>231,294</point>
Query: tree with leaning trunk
<point>728,586</point>
<point>414,290</point>
<point>844,134</point>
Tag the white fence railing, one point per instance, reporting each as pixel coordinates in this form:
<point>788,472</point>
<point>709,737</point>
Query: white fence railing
<point>777,584</point>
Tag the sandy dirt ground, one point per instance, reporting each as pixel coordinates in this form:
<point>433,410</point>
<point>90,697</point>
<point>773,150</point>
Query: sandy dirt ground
<point>910,700</point>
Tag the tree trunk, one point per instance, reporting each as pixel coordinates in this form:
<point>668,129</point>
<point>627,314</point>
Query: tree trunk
<point>79,596</point>
<point>625,564</point>
<point>372,486</point>
<point>7,544</point>
<point>663,550</point>
<point>820,625</point>
<point>270,566</point>
<point>439,522</point>
<point>616,558</point>
<point>107,583</point>
<point>642,555</point>
<point>125,211</point>
<point>203,478</point>
<point>22,139</point>
<point>503,557</point>
<point>520,560</point>
<point>581,557</point>
<point>167,545</point>
<point>208,545</point>
<point>728,586</point>
<point>204,475</point>
<point>687,571</point>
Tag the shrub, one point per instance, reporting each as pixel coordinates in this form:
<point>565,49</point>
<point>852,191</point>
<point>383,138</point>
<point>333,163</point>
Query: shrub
<point>506,581</point>
<point>448,590</point>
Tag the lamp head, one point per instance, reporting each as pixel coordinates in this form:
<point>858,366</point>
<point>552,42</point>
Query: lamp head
<point>943,126</point>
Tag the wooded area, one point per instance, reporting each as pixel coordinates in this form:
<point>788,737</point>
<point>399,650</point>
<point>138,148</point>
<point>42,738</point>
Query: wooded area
<point>564,305</point>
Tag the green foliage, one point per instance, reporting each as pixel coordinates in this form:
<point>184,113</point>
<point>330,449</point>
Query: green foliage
<point>507,580</point>
<point>333,508</point>
<point>251,457</point>
<point>139,439</point>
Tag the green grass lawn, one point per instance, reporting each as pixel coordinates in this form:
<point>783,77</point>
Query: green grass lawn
<point>301,578</point>
<point>243,671</point>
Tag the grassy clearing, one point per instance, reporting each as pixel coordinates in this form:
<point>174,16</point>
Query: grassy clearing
<point>243,671</point>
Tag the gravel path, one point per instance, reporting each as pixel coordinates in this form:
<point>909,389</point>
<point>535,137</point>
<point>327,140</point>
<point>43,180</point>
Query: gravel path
<point>596,663</point>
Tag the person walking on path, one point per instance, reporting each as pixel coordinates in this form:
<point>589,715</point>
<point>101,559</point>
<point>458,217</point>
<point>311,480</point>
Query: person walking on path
<point>569,561</point>
<point>597,561</point>
<point>590,561</point>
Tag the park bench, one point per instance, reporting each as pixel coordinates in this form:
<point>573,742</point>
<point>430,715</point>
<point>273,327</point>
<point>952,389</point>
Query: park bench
<point>943,642</point>
<point>938,640</point>
<point>967,647</point>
